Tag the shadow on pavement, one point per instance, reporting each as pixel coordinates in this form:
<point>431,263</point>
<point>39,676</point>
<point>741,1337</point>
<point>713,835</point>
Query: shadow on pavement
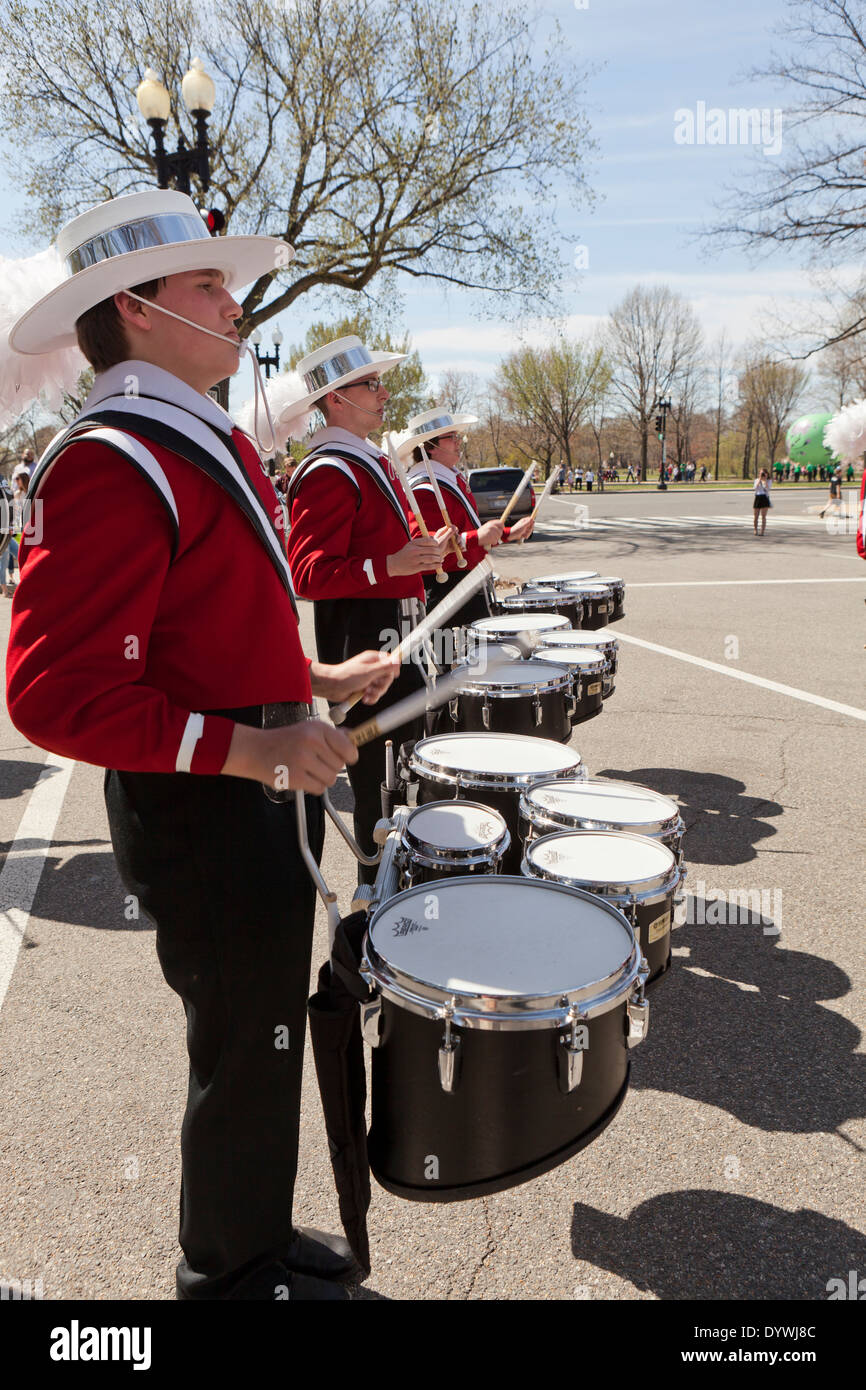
<point>722,824</point>
<point>86,891</point>
<point>715,1245</point>
<point>19,776</point>
<point>736,1024</point>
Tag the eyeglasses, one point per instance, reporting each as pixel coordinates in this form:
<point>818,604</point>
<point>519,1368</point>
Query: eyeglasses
<point>373,384</point>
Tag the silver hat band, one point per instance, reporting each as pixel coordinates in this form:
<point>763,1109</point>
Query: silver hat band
<point>333,368</point>
<point>163,229</point>
<point>441,425</point>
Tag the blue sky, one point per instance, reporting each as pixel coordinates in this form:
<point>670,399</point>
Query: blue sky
<point>647,61</point>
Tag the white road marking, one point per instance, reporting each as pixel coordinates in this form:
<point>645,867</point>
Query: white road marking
<point>804,695</point>
<point>717,583</point>
<point>23,867</point>
<point>682,523</point>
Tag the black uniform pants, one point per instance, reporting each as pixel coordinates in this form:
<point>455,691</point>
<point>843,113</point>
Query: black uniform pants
<point>345,627</point>
<point>217,867</point>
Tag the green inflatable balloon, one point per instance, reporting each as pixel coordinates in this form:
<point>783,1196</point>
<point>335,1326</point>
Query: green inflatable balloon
<point>805,439</point>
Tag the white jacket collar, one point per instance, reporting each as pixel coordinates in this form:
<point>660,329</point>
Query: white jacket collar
<point>333,434</point>
<point>133,378</point>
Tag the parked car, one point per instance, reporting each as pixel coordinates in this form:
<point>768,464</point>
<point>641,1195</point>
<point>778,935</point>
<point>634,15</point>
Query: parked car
<point>493,489</point>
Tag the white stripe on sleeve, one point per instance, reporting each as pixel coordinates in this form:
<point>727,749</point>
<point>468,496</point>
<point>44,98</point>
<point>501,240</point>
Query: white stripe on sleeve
<point>191,735</point>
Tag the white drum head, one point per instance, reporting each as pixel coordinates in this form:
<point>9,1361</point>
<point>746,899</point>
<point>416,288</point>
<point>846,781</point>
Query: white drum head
<point>516,674</point>
<point>520,622</point>
<point>575,656</point>
<point>570,577</point>
<point>456,825</point>
<point>618,803</point>
<point>601,857</point>
<point>577,639</point>
<point>500,938</point>
<point>510,754</point>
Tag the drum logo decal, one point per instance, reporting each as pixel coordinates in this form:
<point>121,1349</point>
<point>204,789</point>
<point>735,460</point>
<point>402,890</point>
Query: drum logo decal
<point>594,688</point>
<point>659,926</point>
<point>405,926</point>
<point>487,829</point>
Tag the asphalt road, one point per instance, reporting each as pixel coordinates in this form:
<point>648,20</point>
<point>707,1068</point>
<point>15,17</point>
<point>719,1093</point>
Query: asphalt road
<point>735,1167</point>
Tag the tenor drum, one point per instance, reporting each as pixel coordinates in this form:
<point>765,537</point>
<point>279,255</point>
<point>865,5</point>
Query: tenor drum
<point>638,875</point>
<point>586,666</point>
<point>519,697</point>
<point>597,603</point>
<point>546,600</point>
<point>504,625</point>
<point>495,769</point>
<point>607,645</point>
<point>594,803</point>
<point>558,581</point>
<point>617,588</point>
<point>451,838</point>
<point>501,1018</point>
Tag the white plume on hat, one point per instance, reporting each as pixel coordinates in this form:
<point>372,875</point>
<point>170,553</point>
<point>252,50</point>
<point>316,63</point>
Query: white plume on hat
<point>23,378</point>
<point>845,434</point>
<point>283,392</point>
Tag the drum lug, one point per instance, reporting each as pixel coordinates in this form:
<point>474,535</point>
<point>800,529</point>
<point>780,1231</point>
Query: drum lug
<point>485,713</point>
<point>570,1055</point>
<point>371,1021</point>
<point>637,1011</point>
<point>449,1054</point>
<point>539,713</point>
<point>452,709</point>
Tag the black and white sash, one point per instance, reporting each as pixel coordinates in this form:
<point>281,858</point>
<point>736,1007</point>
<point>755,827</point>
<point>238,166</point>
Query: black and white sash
<point>419,479</point>
<point>340,456</point>
<point>184,433</point>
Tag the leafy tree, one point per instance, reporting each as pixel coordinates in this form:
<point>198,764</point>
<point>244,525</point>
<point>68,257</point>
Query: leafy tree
<point>417,135</point>
<point>654,345</point>
<point>550,392</point>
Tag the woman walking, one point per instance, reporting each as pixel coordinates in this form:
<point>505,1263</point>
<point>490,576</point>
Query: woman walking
<point>762,500</point>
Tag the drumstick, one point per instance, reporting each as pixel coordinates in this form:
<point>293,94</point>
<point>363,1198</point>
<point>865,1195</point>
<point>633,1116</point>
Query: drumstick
<point>417,704</point>
<point>548,488</point>
<point>397,465</point>
<point>440,614</point>
<point>434,483</point>
<point>521,487</point>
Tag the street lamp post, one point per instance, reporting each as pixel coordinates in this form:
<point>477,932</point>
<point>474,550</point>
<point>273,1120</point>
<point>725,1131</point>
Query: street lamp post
<point>270,361</point>
<point>154,103</point>
<point>661,426</point>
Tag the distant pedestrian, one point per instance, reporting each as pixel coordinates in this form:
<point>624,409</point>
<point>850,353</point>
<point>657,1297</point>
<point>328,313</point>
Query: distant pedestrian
<point>762,500</point>
<point>590,479</point>
<point>835,498</point>
<point>579,476</point>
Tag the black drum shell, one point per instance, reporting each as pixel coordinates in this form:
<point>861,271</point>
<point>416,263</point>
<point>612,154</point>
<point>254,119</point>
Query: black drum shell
<point>504,800</point>
<point>596,613</point>
<point>515,715</point>
<point>658,951</point>
<point>570,606</point>
<point>507,1119</point>
<point>589,705</point>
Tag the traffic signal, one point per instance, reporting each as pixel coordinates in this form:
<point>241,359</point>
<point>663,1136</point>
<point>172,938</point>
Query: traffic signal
<point>658,424</point>
<point>216,221</point>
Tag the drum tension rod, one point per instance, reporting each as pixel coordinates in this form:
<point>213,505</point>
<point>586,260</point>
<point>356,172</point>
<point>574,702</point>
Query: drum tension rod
<point>571,1055</point>
<point>449,1052</point>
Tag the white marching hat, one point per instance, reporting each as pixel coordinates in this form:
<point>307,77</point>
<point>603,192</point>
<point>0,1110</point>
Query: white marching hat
<point>128,241</point>
<point>429,426</point>
<point>337,364</point>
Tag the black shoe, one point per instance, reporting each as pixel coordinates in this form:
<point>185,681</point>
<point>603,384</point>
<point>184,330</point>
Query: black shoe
<point>276,1283</point>
<point>323,1256</point>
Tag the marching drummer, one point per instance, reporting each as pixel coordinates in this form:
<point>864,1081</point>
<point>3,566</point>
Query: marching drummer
<point>140,653</point>
<point>351,548</point>
<point>433,440</point>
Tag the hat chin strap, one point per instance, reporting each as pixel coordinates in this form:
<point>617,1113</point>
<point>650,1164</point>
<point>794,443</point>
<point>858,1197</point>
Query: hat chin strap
<point>242,347</point>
